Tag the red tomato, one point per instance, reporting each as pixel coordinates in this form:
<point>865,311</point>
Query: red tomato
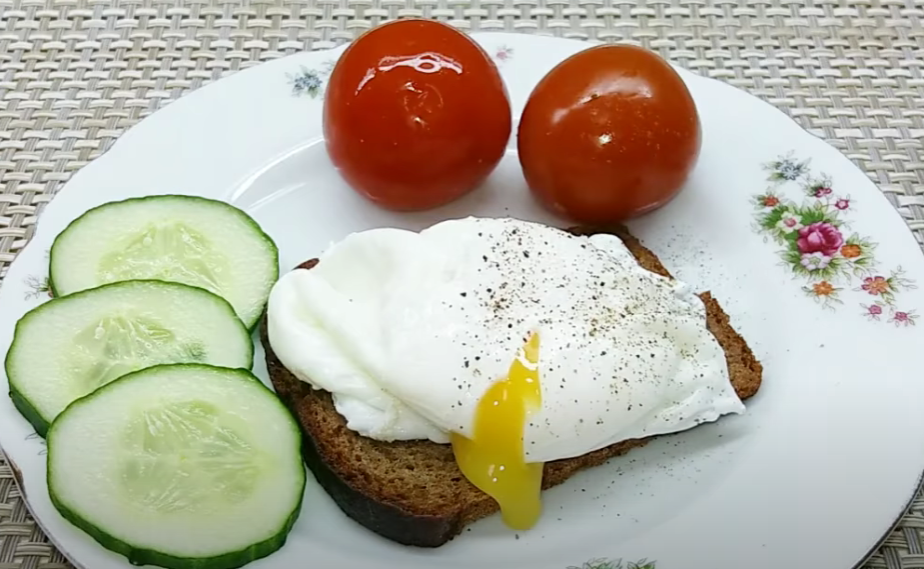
<point>610,133</point>
<point>415,115</point>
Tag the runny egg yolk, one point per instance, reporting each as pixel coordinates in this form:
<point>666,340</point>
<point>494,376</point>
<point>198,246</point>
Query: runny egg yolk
<point>493,459</point>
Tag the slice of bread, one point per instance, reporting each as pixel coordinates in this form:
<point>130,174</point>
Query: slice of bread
<point>412,492</point>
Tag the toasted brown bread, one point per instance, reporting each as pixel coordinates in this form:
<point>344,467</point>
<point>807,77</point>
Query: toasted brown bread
<point>413,492</point>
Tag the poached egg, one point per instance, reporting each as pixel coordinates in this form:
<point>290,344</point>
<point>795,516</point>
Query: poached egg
<point>515,342</point>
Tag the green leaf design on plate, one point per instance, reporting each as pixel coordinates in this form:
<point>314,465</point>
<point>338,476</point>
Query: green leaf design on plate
<point>615,564</point>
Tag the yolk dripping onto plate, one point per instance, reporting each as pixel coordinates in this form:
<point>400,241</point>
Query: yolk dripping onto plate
<point>493,459</point>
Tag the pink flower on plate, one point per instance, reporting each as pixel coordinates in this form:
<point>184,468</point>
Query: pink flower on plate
<point>822,191</point>
<point>842,204</point>
<point>876,285</point>
<point>873,311</point>
<point>901,318</point>
<point>503,53</point>
<point>820,237</point>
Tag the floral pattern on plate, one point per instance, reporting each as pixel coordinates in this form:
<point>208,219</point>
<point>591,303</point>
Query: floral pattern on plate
<point>820,248</point>
<point>37,287</point>
<point>502,54</point>
<point>35,436</point>
<point>615,564</point>
<point>309,82</point>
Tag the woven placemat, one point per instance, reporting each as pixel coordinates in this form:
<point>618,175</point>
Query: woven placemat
<point>74,74</point>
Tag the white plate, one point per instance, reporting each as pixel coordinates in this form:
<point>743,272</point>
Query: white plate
<point>820,467</point>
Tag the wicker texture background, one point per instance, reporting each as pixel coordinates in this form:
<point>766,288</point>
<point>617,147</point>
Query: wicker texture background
<point>74,74</point>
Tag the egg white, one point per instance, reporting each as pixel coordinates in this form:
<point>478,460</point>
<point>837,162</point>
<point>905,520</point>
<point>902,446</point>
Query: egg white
<point>408,330</point>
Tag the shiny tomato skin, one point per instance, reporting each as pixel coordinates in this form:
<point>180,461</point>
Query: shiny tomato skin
<point>608,134</point>
<point>415,115</point>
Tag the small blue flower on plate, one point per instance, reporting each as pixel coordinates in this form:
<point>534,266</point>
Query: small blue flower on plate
<point>306,82</point>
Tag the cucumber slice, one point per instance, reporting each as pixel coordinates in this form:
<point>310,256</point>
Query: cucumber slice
<point>186,239</point>
<point>70,346</point>
<point>184,466</point>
